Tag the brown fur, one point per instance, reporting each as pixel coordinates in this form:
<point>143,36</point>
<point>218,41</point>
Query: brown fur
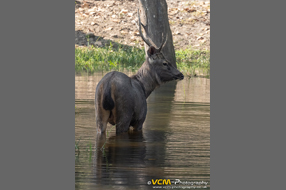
<point>129,94</point>
<point>121,100</point>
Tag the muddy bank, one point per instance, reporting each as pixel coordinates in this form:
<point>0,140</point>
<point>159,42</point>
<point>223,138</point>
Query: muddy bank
<point>105,21</point>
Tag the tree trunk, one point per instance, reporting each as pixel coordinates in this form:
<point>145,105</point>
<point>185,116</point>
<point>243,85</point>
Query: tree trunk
<point>154,16</point>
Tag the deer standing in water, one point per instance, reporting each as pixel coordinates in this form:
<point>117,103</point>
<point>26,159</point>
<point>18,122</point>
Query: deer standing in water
<point>121,100</point>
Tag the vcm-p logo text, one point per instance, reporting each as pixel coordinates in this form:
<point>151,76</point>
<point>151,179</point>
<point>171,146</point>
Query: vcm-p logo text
<point>161,182</point>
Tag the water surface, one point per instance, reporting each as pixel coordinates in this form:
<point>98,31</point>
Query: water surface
<point>174,143</point>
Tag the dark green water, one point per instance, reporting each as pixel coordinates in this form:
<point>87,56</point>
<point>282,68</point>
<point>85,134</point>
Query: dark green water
<point>174,143</point>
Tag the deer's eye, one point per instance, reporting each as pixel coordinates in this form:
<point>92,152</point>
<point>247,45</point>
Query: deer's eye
<point>165,64</point>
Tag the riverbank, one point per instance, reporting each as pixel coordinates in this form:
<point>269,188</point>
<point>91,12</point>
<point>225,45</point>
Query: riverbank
<point>91,59</point>
<point>116,21</point>
<point>107,38</point>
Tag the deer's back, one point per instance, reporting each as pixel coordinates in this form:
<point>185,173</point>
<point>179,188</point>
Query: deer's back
<point>123,88</point>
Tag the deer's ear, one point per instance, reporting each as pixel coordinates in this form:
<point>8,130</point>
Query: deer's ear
<point>151,50</point>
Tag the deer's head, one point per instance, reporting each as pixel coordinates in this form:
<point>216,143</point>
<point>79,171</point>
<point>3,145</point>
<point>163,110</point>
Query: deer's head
<point>164,70</point>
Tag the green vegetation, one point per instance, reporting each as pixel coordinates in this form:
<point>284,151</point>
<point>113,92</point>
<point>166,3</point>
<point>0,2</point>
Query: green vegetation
<point>88,150</point>
<point>108,58</point>
<point>193,62</point>
<point>189,62</point>
<point>76,145</point>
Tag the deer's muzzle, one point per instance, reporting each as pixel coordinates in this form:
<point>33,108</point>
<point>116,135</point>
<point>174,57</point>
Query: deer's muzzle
<point>179,77</point>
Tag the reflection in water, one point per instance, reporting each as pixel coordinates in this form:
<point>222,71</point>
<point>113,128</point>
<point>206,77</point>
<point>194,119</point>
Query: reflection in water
<point>174,142</point>
<point>120,160</point>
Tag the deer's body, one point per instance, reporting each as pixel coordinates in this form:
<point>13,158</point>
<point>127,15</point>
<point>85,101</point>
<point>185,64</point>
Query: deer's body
<point>121,100</point>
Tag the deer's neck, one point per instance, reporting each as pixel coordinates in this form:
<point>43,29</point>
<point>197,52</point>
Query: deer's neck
<point>148,78</point>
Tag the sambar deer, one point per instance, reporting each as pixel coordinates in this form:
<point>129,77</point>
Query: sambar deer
<point>121,100</point>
